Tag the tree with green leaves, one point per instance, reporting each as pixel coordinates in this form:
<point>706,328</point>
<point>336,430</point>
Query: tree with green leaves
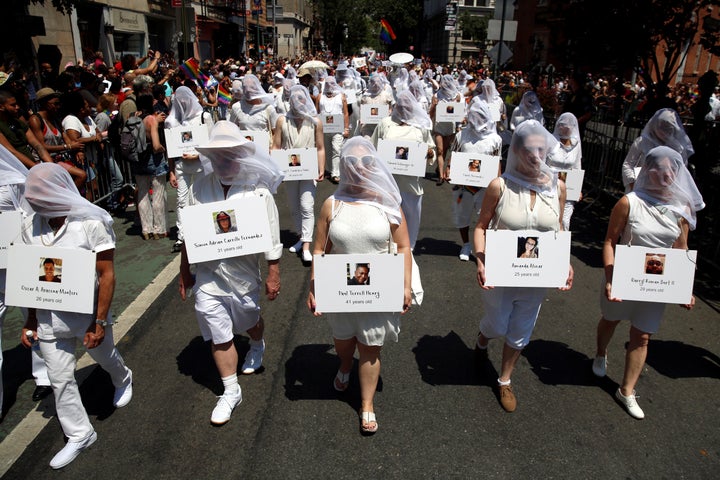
<point>474,26</point>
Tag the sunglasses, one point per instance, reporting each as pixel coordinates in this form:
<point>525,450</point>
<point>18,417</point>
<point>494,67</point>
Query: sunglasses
<point>366,160</point>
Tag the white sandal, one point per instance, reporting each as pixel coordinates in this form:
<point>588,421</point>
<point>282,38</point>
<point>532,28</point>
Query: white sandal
<point>366,419</point>
<point>341,381</point>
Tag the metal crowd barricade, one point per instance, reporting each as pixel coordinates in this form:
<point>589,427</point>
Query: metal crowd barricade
<point>109,183</point>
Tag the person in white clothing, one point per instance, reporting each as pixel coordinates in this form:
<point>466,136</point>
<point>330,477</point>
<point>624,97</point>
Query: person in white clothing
<point>529,109</point>
<point>567,155</point>
<point>332,102</point>
<point>256,110</point>
<point>62,218</point>
<point>227,291</point>
<point>300,128</point>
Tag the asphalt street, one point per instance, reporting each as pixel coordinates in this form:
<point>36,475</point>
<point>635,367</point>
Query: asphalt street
<point>438,413</point>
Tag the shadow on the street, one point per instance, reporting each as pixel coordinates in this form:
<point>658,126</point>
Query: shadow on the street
<point>196,361</point>
<point>675,359</point>
<point>16,370</point>
<point>555,363</point>
<point>433,246</point>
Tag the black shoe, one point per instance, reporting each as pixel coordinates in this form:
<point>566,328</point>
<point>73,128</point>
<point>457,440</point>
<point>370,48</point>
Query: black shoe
<point>177,246</point>
<point>41,391</point>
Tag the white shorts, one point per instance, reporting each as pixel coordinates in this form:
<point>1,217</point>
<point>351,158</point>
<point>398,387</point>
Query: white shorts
<point>645,316</point>
<point>219,318</point>
<point>511,312</point>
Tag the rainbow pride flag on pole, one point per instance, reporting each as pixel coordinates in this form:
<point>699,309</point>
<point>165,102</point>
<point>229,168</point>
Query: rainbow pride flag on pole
<point>386,32</point>
<point>224,96</point>
<point>191,68</point>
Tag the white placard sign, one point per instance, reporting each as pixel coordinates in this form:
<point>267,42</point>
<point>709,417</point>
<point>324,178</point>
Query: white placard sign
<point>297,163</point>
<point>473,169</point>
<point>350,95</point>
<point>404,157</point>
<point>526,258</point>
<point>573,183</point>
<point>51,278</point>
<point>181,139</point>
<point>339,287</point>
<point>10,225</point>
<point>208,237</point>
<point>664,275</point>
<point>332,122</point>
<point>450,112</point>
<point>371,114</point>
<point>495,113</point>
<point>259,138</point>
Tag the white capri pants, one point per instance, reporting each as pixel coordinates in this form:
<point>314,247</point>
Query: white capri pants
<point>333,144</point>
<point>465,205</point>
<point>412,208</point>
<point>511,312</point>
<point>59,355</point>
<point>220,317</point>
<point>301,198</point>
<point>184,181</point>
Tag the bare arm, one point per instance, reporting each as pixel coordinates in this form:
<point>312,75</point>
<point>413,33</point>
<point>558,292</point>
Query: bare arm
<point>402,239</point>
<point>487,212</point>
<point>105,268</point>
<point>618,220</point>
<point>320,146</point>
<point>321,245</point>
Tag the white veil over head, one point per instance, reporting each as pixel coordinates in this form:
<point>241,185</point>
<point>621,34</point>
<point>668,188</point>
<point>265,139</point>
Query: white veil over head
<point>666,128</point>
<point>331,87</point>
<point>526,166</point>
<point>566,127</point>
<point>51,193</point>
<point>665,181</point>
<point>12,171</point>
<point>530,106</point>
<point>480,121</point>
<point>488,90</point>
<point>253,90</point>
<point>375,85</point>
<point>184,107</point>
<point>448,89</point>
<point>402,81</point>
<point>301,105</point>
<point>366,178</point>
<point>409,111</point>
<point>236,161</point>
<point>418,91</point>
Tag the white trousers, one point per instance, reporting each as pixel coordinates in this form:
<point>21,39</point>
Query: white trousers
<point>301,198</point>
<point>333,144</point>
<point>59,356</point>
<point>153,215</point>
<point>412,208</point>
<point>184,181</point>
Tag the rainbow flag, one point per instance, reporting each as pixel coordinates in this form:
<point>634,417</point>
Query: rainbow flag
<point>191,68</point>
<point>224,96</point>
<point>386,32</point>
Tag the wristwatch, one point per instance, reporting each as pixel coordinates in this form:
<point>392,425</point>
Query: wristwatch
<point>102,323</point>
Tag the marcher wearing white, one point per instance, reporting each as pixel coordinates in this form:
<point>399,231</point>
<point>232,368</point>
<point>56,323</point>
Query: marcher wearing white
<point>256,111</point>
<point>567,155</point>
<point>333,101</point>
<point>529,109</point>
<point>227,291</point>
<point>374,95</point>
<point>444,131</point>
<point>63,218</point>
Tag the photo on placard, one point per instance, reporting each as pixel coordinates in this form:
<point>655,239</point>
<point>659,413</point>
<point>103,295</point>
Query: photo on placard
<point>50,270</point>
<point>329,120</point>
<point>563,176</point>
<point>655,263</point>
<point>249,138</point>
<point>474,165</point>
<point>186,137</point>
<point>373,111</point>
<point>294,160</point>
<point>401,152</point>
<point>528,247</point>
<point>224,221</point>
<point>450,109</point>
<point>359,274</point>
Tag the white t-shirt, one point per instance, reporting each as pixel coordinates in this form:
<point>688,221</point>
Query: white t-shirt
<point>71,122</point>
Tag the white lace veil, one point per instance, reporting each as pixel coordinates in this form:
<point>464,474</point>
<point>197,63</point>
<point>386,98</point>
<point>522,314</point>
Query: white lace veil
<point>185,106</point>
<point>666,128</point>
<point>236,161</point>
<point>409,111</point>
<point>366,178</point>
<point>526,166</point>
<point>50,192</point>
<point>664,180</point>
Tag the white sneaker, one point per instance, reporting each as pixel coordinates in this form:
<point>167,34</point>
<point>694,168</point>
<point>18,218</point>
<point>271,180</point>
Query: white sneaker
<point>224,407</point>
<point>71,450</point>
<point>630,404</point>
<point>599,366</point>
<point>465,252</point>
<point>253,359</point>
<point>306,256</point>
<point>296,248</point>
<point>124,394</point>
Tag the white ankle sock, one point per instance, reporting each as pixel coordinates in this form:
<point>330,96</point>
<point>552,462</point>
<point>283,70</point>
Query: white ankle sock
<point>504,384</point>
<point>257,344</point>
<point>231,384</point>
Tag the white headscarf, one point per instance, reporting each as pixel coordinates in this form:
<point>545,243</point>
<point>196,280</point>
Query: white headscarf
<point>480,123</point>
<point>566,127</point>
<point>530,107</point>
<point>290,73</point>
<point>418,91</point>
<point>51,193</point>
<point>463,78</point>
<point>331,87</point>
<point>409,111</point>
<point>402,81</point>
<point>428,76</point>
<point>666,128</point>
<point>236,161</point>
<point>526,158</point>
<point>12,172</point>
<point>237,90</point>
<point>253,90</point>
<point>448,89</point>
<point>365,178</point>
<point>185,106</point>
<point>488,91</point>
<point>665,181</point>
<point>375,85</point>
<point>301,105</point>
